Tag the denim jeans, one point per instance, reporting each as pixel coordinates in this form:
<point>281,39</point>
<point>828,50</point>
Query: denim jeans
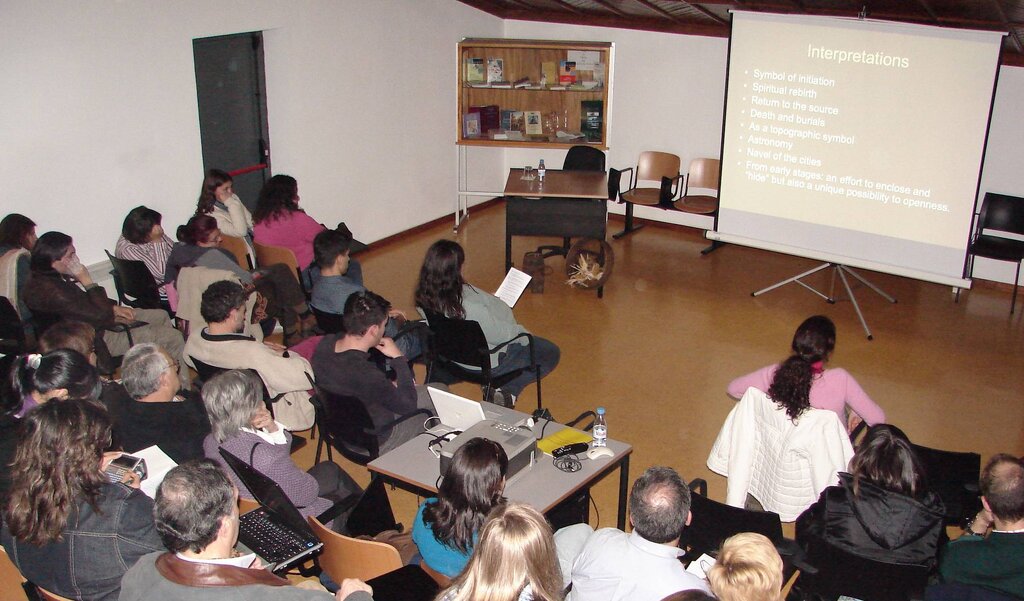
<point>546,354</point>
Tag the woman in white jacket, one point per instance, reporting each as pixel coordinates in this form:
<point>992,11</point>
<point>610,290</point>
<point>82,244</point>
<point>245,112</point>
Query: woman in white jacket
<point>217,198</point>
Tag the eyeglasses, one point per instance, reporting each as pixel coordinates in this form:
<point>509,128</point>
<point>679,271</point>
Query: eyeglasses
<point>174,366</point>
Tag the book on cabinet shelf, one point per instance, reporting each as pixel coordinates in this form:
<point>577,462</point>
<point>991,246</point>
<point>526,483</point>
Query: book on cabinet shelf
<point>534,124</point>
<point>475,71</point>
<point>566,73</point>
<point>591,119</point>
<point>471,125</point>
<point>495,70</point>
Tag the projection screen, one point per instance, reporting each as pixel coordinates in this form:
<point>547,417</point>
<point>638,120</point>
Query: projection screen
<point>855,141</point>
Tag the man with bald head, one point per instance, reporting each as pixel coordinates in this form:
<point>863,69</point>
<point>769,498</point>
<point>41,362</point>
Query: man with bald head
<point>993,560</point>
<point>644,564</point>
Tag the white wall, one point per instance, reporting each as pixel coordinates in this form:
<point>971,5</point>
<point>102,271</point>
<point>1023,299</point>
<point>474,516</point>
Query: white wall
<point>98,108</point>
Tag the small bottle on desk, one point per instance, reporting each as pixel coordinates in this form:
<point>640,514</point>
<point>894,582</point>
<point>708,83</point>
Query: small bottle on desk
<point>600,429</point>
<point>540,171</point>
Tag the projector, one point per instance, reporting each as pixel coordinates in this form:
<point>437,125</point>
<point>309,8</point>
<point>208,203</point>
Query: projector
<point>519,444</point>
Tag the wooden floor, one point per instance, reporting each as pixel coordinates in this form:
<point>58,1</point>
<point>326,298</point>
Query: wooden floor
<point>674,328</point>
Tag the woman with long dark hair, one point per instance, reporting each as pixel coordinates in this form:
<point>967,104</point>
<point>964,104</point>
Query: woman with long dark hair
<point>515,560</point>
<point>217,198</point>
<point>280,222</point>
<point>882,509</point>
<point>60,374</point>
<point>802,381</point>
<point>443,290</point>
<point>67,527</point>
<point>199,246</point>
<point>62,287</point>
<point>446,527</point>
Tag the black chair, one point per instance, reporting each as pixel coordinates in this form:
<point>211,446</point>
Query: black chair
<point>583,158</point>
<point>345,424</point>
<point>207,371</point>
<point>330,323</point>
<point>842,573</point>
<point>579,158</point>
<point>456,343</point>
<point>1000,213</point>
<point>12,335</point>
<point>954,477</point>
<point>135,285</point>
<point>713,522</point>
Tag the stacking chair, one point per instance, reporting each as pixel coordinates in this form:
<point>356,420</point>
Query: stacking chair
<point>840,573</point>
<point>12,584</point>
<point>46,595</point>
<point>999,213</point>
<point>660,167</point>
<point>12,335</point>
<point>135,284</point>
<point>457,343</point>
<point>236,246</point>
<point>346,557</point>
<point>268,255</point>
<point>703,174</point>
<point>954,477</point>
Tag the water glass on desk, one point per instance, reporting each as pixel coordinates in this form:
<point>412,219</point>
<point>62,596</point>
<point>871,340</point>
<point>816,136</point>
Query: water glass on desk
<point>528,173</point>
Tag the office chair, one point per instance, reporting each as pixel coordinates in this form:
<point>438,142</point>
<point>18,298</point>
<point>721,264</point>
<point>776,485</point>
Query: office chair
<point>578,158</point>
<point>713,522</point>
<point>457,343</point>
<point>999,213</point>
<point>135,285</point>
<point>652,166</point>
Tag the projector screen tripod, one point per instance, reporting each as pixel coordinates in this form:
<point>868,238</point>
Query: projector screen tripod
<point>841,271</point>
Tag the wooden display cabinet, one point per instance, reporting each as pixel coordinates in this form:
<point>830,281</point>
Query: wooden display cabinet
<point>559,109</point>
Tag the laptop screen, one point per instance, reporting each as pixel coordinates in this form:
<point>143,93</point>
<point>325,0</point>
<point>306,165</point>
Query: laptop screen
<point>269,494</point>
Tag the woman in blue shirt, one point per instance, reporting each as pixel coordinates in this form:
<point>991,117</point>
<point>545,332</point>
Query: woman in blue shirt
<point>446,527</point>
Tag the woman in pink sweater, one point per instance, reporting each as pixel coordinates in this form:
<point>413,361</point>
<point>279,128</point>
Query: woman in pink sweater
<point>280,222</point>
<point>802,380</point>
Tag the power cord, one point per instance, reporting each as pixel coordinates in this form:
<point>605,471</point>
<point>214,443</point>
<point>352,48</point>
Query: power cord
<point>568,463</point>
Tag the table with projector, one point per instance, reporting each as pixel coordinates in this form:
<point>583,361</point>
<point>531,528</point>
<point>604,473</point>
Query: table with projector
<point>533,477</point>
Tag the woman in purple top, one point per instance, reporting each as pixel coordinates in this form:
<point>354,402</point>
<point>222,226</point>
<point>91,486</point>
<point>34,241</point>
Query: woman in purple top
<point>802,380</point>
<point>241,425</point>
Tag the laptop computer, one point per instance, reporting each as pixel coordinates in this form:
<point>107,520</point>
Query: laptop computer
<point>456,412</point>
<point>276,531</point>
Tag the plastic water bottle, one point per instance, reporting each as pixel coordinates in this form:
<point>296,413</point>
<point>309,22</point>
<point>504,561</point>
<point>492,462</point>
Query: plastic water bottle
<point>540,171</point>
<point>600,429</point>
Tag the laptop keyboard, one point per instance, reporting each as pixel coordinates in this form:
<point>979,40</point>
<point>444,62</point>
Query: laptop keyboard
<point>268,539</point>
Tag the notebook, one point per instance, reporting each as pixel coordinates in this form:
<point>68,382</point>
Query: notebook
<point>276,531</point>
<point>456,412</point>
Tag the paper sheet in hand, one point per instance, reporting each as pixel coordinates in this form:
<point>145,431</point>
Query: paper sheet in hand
<point>157,466</point>
<point>512,288</point>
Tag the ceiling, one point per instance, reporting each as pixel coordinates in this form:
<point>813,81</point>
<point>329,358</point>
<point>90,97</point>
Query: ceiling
<point>712,18</point>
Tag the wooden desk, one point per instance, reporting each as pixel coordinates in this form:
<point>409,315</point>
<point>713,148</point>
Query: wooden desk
<point>567,204</point>
<point>414,467</point>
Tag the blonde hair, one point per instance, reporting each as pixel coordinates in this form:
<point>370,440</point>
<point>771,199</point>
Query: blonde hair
<point>516,548</point>
<point>748,569</point>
